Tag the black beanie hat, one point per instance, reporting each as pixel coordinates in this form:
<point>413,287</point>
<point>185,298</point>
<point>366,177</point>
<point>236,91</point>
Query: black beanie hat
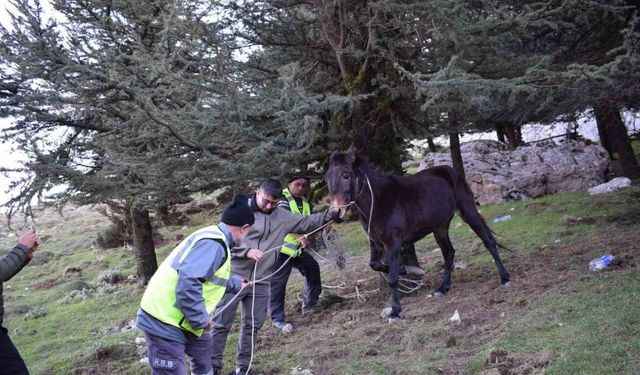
<point>238,212</point>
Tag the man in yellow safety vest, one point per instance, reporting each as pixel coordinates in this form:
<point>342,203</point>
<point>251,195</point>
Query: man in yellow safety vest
<point>292,255</point>
<point>176,308</point>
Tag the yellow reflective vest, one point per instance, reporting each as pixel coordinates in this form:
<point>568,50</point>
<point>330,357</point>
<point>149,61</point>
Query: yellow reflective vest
<point>159,299</point>
<point>291,246</point>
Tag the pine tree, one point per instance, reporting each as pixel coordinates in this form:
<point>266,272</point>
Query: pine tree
<point>130,102</point>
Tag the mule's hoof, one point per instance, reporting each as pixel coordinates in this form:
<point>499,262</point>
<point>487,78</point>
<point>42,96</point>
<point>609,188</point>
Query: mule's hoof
<point>507,284</point>
<point>386,312</point>
<point>437,294</point>
<point>393,320</point>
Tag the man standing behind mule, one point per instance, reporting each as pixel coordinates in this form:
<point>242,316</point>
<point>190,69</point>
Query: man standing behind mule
<point>260,250</point>
<point>11,363</point>
<point>291,255</point>
<point>175,310</point>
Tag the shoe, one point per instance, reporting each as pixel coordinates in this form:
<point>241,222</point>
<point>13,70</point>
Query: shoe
<point>241,371</point>
<point>284,327</point>
<point>311,309</point>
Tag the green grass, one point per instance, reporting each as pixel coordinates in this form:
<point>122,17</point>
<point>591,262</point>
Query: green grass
<point>595,329</point>
<point>589,322</point>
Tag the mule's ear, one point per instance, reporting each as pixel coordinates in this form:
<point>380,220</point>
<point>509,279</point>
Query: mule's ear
<point>334,156</point>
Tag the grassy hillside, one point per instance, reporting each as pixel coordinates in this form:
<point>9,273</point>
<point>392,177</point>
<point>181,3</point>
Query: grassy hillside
<point>557,317</point>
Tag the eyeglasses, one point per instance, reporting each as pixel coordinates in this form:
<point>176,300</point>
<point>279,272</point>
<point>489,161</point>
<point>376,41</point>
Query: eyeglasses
<point>267,201</point>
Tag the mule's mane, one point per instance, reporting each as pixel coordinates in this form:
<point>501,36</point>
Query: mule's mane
<point>363,164</point>
<point>357,161</point>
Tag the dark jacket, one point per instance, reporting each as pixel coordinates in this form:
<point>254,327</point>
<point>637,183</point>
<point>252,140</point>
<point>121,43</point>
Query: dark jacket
<point>11,264</point>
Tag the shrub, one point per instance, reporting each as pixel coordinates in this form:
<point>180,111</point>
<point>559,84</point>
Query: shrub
<point>115,235</point>
<point>35,313</point>
<point>111,277</point>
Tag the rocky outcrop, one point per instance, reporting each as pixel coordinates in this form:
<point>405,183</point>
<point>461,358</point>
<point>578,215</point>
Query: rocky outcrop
<point>496,174</point>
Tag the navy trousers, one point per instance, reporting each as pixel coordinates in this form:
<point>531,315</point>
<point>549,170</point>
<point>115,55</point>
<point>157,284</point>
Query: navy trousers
<point>309,268</point>
<point>167,357</point>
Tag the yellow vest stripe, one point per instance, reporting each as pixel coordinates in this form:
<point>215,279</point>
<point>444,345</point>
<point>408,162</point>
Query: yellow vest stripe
<point>291,246</point>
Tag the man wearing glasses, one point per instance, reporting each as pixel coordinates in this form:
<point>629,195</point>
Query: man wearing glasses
<point>261,247</point>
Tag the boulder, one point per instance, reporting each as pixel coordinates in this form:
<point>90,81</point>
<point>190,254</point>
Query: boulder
<point>496,174</point>
<point>613,185</point>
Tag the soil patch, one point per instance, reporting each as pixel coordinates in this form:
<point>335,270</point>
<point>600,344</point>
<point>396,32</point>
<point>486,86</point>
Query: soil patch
<point>47,284</point>
<point>483,306</point>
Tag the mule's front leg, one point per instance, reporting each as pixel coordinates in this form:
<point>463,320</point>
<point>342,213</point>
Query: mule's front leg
<point>393,262</point>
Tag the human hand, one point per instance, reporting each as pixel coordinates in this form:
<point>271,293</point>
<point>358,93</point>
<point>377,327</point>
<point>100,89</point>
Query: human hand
<point>254,254</point>
<point>304,242</point>
<point>245,283</point>
<point>30,240</point>
<point>207,328</point>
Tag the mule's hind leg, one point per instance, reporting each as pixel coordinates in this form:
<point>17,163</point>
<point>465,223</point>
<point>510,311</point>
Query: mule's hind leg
<point>393,260</point>
<point>482,230</point>
<point>470,215</point>
<point>448,252</point>
<point>375,260</point>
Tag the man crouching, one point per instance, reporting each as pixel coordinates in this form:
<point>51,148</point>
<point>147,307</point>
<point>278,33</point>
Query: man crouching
<point>176,307</point>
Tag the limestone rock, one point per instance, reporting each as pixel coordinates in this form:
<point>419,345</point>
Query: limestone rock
<point>613,185</point>
<point>496,174</point>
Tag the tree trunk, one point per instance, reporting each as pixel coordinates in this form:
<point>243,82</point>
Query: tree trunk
<point>500,133</point>
<point>432,146</point>
<point>454,145</point>
<point>513,134</point>
<point>572,131</point>
<point>146,262</point>
<point>616,132</point>
<point>376,136</point>
<point>604,139</point>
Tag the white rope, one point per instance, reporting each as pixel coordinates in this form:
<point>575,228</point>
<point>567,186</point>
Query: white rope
<point>221,309</point>
<point>342,285</point>
<point>357,293</point>
<point>359,296</point>
<point>318,254</point>
<point>253,318</point>
<point>407,289</point>
<point>404,289</point>
<point>371,210</point>
<point>254,282</point>
<point>368,233</point>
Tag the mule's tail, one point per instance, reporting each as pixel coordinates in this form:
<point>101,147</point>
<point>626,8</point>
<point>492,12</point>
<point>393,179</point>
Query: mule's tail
<point>469,213</point>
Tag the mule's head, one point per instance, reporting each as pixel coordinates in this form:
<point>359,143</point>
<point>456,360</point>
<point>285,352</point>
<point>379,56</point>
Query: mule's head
<point>341,180</point>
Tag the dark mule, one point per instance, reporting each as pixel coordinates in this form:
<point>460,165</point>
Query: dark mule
<point>404,209</point>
